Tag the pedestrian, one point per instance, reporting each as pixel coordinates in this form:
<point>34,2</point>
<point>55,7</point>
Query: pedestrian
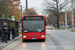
<point>56,26</point>
<point>5,31</point>
<point>13,32</point>
<point>9,33</point>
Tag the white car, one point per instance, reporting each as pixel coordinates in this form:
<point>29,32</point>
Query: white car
<point>67,26</point>
<point>49,27</point>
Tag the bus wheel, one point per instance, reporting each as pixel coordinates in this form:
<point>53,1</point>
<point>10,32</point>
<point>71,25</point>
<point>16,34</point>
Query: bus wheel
<point>43,40</point>
<point>23,40</point>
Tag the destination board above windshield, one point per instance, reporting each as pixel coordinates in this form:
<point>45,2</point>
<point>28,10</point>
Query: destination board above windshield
<point>33,18</point>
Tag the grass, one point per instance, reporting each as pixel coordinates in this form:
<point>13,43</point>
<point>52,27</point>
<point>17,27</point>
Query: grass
<point>73,30</point>
<point>62,28</point>
<point>59,28</point>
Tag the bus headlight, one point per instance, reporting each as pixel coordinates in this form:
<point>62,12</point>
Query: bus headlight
<point>43,36</point>
<point>24,36</point>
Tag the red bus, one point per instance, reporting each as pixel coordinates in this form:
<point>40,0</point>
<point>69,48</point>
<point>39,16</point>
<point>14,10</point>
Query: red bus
<point>33,27</point>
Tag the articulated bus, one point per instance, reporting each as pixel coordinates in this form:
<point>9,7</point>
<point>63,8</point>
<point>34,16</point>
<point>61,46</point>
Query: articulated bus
<point>33,27</point>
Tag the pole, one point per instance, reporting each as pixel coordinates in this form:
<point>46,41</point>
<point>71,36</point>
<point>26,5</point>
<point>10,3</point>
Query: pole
<point>21,19</point>
<point>21,11</point>
<point>3,15</point>
<point>26,8</point>
<point>65,15</point>
<point>72,16</point>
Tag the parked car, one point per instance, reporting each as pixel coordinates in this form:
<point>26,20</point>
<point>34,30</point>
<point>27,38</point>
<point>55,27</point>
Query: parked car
<point>67,26</point>
<point>70,26</point>
<point>49,27</point>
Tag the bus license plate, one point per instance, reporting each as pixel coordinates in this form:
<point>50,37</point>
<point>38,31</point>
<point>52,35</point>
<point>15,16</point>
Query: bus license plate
<point>33,38</point>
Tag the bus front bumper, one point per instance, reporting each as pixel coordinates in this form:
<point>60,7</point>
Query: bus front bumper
<point>34,38</point>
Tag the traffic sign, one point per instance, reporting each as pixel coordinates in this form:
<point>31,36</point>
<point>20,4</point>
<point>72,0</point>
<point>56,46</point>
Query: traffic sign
<point>13,17</point>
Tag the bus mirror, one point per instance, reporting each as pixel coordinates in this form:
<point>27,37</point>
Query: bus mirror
<point>45,23</point>
<point>20,20</point>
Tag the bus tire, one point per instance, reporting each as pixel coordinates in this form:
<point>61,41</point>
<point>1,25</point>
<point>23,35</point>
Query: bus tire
<point>43,40</point>
<point>23,40</point>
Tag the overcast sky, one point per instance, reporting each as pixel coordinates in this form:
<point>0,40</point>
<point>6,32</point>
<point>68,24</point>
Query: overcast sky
<point>36,4</point>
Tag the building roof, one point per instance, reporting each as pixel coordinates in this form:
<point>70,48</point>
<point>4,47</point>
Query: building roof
<point>8,19</point>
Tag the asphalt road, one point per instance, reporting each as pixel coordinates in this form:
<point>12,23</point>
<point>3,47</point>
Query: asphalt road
<point>55,40</point>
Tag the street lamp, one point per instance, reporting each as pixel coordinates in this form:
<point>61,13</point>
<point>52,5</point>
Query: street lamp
<point>72,15</point>
<point>65,15</point>
<point>21,11</point>
<point>26,8</point>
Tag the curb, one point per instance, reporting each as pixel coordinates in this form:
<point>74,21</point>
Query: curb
<point>11,46</point>
<point>53,47</point>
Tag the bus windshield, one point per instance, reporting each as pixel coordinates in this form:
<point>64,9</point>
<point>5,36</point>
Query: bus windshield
<point>33,25</point>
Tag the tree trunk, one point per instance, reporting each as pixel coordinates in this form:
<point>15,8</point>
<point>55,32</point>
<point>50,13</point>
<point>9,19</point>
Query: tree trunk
<point>57,14</point>
<point>58,21</point>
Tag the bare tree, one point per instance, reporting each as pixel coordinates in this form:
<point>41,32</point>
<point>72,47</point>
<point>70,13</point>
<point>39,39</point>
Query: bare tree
<point>51,19</point>
<point>54,6</point>
<point>31,11</point>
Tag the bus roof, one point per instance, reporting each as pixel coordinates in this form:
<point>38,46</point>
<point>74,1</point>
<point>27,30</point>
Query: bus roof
<point>32,15</point>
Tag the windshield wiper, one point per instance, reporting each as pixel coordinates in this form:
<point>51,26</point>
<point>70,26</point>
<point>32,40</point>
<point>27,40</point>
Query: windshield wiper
<point>40,31</point>
<point>28,30</point>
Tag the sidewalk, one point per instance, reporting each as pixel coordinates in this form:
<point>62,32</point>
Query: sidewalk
<point>3,45</point>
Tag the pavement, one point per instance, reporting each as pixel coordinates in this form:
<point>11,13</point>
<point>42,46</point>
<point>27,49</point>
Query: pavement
<point>55,40</point>
<point>63,39</point>
<point>36,45</point>
<point>10,44</point>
